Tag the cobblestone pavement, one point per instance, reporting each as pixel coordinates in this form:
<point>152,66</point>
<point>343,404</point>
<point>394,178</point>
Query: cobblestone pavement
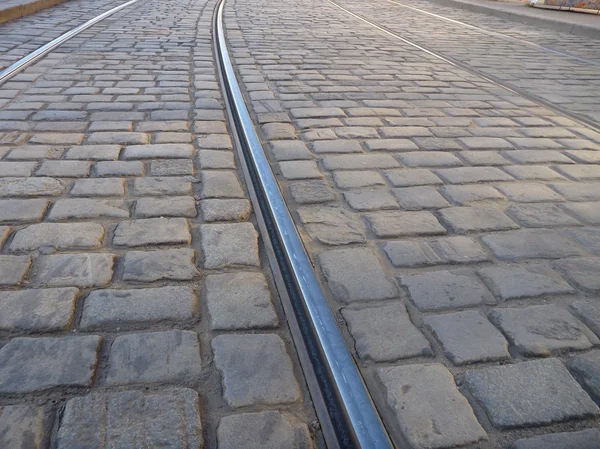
<point>561,80</point>
<point>137,308</point>
<point>20,37</point>
<point>455,224</point>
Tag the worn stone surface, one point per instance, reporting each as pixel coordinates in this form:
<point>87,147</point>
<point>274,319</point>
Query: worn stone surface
<point>134,419</point>
<point>438,290</point>
<point>385,333</point>
<point>161,186</point>
<point>355,275</point>
<point>36,364</point>
<point>25,187</point>
<point>38,310</point>
<point>79,270</point>
<point>540,330</point>
<point>79,208</point>
<point>167,356</point>
<point>175,206</point>
<point>61,236</point>
<point>22,211</point>
<point>331,225</point>
<point>263,430</point>
<point>529,244</point>
<point>431,252</point>
<point>98,187</point>
<point>152,231</point>
<point>508,282</point>
<point>116,307</point>
<point>398,224</point>
<point>310,192</point>
<point>584,439</point>
<point>588,311</point>
<point>22,427</point>
<point>428,407</point>
<point>586,369</point>
<point>13,269</point>
<point>149,266</point>
<point>255,369</point>
<point>239,301</point>
<point>583,272</point>
<point>229,245</point>
<point>529,393</point>
<point>476,219</point>
<point>225,209</point>
<point>468,337</point>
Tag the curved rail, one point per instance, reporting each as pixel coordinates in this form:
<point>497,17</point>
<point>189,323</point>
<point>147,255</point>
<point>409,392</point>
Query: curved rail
<point>25,62</point>
<point>355,420</point>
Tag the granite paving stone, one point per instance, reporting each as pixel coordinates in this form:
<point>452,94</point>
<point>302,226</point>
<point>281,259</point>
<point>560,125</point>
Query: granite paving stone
<point>61,236</point>
<point>78,270</point>
<point>117,307</point>
<point>149,266</point>
<point>385,333</point>
<point>23,426</point>
<point>542,330</point>
<point>168,418</point>
<point>586,369</point>
<point>468,337</point>
<point>356,274</point>
<point>439,290</point>
<point>529,394</point>
<point>36,364</point>
<point>255,370</point>
<point>167,356</point>
<point>229,245</point>
<point>430,410</point>
<point>584,439</point>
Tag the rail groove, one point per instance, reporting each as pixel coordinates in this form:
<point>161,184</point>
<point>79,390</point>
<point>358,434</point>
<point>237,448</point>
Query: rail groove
<point>350,409</point>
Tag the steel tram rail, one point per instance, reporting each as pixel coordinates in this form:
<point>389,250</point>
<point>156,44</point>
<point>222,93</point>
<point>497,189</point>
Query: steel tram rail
<point>351,411</point>
<point>487,77</point>
<point>35,56</point>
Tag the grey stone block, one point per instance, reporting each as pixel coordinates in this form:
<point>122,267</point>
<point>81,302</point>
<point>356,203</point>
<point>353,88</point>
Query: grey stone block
<point>22,211</point>
<point>256,370</point>
<point>468,337</point>
<point>13,269</point>
<point>583,272</point>
<point>38,310</point>
<point>14,187</point>
<point>385,333</point>
<point>439,290</point>
<point>145,305</point>
<point>355,275</point>
<point>428,407</point>
<point>387,224</point>
<point>36,364</point>
<point>79,270</point>
<point>540,330</point>
<point>79,208</point>
<point>239,301</point>
<point>588,311</point>
<point>370,199</point>
<point>586,369</point>
<point>168,356</point>
<point>221,184</point>
<point>476,219</point>
<point>61,236</point>
<point>584,439</point>
<point>263,430</point>
<point>530,244</point>
<point>169,418</point>
<point>311,192</point>
<point>23,427</point>
<point>150,266</point>
<point>175,206</point>
<point>529,394</point>
<point>98,187</point>
<point>513,282</point>
<point>331,225</point>
<point>152,231</point>
<point>229,245</point>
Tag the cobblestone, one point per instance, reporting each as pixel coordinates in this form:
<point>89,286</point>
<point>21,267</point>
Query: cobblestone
<point>168,356</point>
<point>355,275</point>
<point>256,370</point>
<point>430,410</point>
<point>398,224</point>
<point>79,270</point>
<point>589,313</point>
<point>152,231</point>
<point>529,393</point>
<point>22,427</point>
<point>529,244</point>
<point>385,333</point>
<point>438,290</point>
<point>541,330</point>
<point>61,236</point>
<point>149,266</point>
<point>586,368</point>
<point>583,272</point>
<point>36,364</point>
<point>13,269</point>
<point>584,439</point>
<point>229,245</point>
<point>98,187</point>
<point>468,337</point>
<point>476,219</point>
<point>78,208</point>
<point>115,307</point>
<point>161,186</point>
<point>262,430</point>
<point>170,418</point>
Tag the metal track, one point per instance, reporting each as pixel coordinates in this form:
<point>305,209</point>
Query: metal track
<point>351,411</point>
<point>489,78</point>
<point>33,57</point>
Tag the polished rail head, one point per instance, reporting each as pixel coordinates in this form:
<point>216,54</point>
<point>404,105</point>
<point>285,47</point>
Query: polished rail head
<point>33,57</point>
<point>359,412</point>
